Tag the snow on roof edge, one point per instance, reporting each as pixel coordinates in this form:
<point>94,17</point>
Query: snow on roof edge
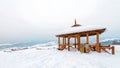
<point>80,29</point>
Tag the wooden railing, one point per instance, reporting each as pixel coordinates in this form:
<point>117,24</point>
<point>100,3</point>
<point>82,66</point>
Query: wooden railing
<point>90,47</point>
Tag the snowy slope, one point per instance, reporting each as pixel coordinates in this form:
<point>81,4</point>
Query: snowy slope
<point>111,41</point>
<point>50,57</point>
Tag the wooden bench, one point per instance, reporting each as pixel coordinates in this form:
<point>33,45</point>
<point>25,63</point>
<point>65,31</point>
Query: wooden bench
<point>62,47</point>
<point>104,48</point>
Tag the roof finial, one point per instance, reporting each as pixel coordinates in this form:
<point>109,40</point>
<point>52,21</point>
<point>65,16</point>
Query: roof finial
<point>75,21</point>
<point>75,25</point>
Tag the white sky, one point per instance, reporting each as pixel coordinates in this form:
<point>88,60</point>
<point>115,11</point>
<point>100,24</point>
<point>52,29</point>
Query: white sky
<point>22,20</point>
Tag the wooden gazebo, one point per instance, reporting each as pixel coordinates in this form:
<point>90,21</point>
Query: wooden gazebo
<point>77,31</point>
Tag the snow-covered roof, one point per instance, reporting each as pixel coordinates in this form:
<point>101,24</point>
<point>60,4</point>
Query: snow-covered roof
<point>80,29</point>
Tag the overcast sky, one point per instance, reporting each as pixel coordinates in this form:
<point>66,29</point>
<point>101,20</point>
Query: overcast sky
<point>25,20</point>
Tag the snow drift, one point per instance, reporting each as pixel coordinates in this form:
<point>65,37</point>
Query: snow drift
<point>50,57</point>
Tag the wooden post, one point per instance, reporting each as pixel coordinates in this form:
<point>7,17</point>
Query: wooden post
<point>65,42</point>
<point>87,38</point>
<point>78,38</point>
<point>113,50</point>
<point>98,46</point>
<point>68,43</point>
<point>63,45</point>
<point>75,42</point>
<point>58,42</point>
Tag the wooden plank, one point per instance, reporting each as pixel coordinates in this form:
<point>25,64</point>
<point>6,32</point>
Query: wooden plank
<point>105,50</point>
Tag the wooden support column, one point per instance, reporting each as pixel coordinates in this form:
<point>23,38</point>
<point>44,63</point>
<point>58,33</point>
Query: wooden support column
<point>58,42</point>
<point>65,42</point>
<point>75,42</point>
<point>113,50</point>
<point>68,43</point>
<point>87,38</point>
<point>63,45</point>
<point>97,40</point>
<point>78,39</point>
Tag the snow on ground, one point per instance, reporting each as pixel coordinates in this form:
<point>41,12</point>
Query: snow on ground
<point>50,57</point>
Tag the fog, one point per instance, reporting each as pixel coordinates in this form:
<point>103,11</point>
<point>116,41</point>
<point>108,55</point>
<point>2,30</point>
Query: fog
<point>27,20</point>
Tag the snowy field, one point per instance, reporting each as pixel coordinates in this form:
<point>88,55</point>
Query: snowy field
<point>50,57</point>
